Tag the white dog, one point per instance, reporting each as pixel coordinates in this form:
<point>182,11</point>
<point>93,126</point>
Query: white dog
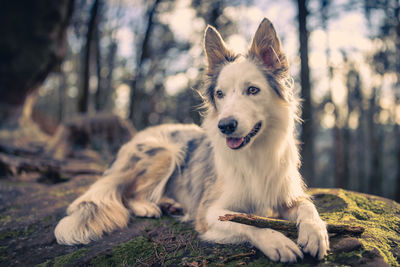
<point>243,159</point>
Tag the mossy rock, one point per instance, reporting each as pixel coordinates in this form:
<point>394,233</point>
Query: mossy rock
<point>30,211</point>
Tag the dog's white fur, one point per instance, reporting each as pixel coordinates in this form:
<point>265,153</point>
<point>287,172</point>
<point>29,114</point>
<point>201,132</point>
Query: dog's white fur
<point>197,169</point>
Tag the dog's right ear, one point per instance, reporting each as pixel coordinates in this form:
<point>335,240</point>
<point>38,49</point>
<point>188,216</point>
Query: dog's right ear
<point>215,49</point>
<point>267,47</point>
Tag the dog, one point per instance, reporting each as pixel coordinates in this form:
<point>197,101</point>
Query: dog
<point>244,159</point>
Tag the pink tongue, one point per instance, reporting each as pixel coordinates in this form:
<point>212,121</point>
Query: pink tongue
<point>234,142</point>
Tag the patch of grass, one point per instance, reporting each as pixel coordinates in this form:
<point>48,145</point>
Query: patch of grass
<point>171,243</point>
<point>5,218</point>
<point>15,233</point>
<point>3,253</point>
<point>65,260</point>
<point>137,251</point>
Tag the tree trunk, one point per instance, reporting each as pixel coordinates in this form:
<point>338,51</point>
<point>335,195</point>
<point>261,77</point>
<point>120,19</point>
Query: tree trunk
<point>307,147</point>
<point>83,102</point>
<point>338,153</point>
<point>347,145</point>
<point>62,96</point>
<point>138,97</point>
<point>107,86</point>
<point>397,134</point>
<point>396,127</point>
<point>375,180</point>
<point>361,150</point>
<point>99,105</point>
<point>33,43</point>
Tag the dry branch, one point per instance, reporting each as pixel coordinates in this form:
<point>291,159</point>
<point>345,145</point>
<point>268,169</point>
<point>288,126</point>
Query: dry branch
<point>287,226</point>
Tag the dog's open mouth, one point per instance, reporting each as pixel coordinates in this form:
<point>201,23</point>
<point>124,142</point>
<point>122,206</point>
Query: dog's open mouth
<point>239,142</point>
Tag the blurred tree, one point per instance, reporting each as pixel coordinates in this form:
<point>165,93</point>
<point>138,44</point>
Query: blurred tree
<point>137,96</point>
<point>397,96</point>
<point>386,61</point>
<point>92,31</point>
<point>353,141</point>
<point>97,39</point>
<point>325,9</point>
<point>33,44</point>
<point>375,139</point>
<point>307,136</point>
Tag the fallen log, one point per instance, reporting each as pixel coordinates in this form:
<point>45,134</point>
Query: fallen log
<point>51,170</point>
<point>288,226</point>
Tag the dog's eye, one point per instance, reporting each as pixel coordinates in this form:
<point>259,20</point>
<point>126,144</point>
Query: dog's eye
<point>252,90</point>
<point>219,94</point>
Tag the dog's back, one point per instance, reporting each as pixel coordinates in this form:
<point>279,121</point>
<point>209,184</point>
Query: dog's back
<point>170,164</point>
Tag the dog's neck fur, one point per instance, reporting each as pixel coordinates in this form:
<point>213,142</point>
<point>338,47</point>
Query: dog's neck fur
<point>266,173</point>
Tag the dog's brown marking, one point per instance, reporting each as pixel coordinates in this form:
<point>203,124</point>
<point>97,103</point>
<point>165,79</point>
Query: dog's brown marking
<point>131,163</point>
<point>135,159</point>
<point>140,147</point>
<point>211,194</point>
<point>148,173</point>
<point>151,152</point>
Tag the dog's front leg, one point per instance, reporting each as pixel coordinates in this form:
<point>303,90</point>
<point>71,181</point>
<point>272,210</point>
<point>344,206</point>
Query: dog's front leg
<point>272,243</point>
<point>313,236</point>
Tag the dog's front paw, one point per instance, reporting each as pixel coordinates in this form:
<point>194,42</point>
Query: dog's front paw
<point>313,238</point>
<point>277,247</point>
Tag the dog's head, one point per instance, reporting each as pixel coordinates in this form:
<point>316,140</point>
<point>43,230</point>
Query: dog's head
<point>247,95</point>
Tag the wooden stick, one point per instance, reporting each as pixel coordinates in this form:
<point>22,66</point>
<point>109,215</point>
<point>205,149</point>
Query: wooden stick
<point>287,226</point>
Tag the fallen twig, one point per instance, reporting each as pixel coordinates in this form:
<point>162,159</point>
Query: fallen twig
<point>238,256</point>
<point>287,226</point>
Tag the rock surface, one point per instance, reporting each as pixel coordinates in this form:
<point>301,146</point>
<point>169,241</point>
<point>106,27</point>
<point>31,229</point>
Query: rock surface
<point>29,212</point>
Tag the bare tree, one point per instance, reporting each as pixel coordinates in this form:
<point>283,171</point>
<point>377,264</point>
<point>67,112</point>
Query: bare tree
<point>83,102</point>
<point>396,129</point>
<point>137,96</point>
<point>307,135</point>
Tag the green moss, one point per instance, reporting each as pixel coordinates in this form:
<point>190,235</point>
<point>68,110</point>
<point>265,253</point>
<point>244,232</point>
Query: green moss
<point>171,243</point>
<point>16,233</point>
<point>345,257</point>
<point>376,216</point>
<point>168,242</point>
<point>359,215</point>
<point>62,192</point>
<point>5,218</point>
<point>65,260</point>
<point>44,264</point>
<point>3,253</point>
<point>49,218</point>
<point>138,250</point>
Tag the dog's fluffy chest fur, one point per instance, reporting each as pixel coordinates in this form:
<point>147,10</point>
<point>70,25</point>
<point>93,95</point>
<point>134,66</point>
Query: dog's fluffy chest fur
<point>250,180</point>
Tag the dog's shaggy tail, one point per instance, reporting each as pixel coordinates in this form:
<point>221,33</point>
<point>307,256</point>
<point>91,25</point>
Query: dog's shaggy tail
<point>135,182</point>
<point>99,210</point>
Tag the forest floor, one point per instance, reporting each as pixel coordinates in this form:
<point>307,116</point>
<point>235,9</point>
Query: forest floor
<point>30,211</point>
<point>35,192</point>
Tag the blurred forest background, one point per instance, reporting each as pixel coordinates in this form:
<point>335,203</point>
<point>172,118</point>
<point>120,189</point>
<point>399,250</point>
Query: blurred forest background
<point>141,60</point>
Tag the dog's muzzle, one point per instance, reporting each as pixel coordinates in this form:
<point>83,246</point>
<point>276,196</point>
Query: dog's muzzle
<point>239,142</point>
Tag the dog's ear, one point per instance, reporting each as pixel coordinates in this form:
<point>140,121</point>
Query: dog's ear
<point>267,47</point>
<point>215,49</point>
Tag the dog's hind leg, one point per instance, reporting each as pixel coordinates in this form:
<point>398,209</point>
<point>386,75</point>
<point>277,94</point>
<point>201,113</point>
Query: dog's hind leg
<point>145,193</point>
<point>135,181</point>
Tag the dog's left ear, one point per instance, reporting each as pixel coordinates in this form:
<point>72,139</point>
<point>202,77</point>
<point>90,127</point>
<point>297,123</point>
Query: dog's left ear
<point>215,49</point>
<point>267,47</point>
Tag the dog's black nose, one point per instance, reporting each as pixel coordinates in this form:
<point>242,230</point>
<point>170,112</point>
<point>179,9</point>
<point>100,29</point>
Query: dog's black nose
<point>227,125</point>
